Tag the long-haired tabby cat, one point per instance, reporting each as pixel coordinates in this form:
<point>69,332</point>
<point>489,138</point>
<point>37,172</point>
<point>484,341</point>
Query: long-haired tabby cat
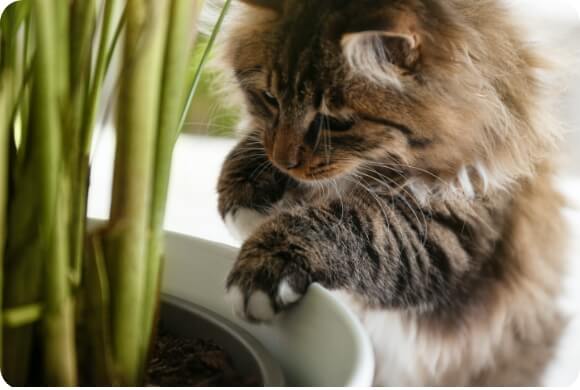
<point>400,155</point>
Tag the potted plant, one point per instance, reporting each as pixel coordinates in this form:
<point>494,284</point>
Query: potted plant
<point>74,296</point>
<point>80,301</point>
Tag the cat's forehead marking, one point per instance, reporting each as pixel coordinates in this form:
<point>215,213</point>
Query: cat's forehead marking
<point>299,56</point>
<point>306,81</point>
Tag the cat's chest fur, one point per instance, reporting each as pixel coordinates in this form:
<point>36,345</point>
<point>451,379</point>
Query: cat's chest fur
<point>410,354</point>
<point>403,356</point>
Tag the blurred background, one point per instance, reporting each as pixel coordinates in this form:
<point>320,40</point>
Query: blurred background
<point>209,115</point>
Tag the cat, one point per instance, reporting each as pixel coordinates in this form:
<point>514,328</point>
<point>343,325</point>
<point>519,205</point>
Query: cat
<point>401,154</point>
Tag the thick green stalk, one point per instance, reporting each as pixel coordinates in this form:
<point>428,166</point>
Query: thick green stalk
<point>60,364</point>
<point>23,252</point>
<point>5,108</point>
<point>58,320</point>
<point>183,13</point>
<point>11,22</point>
<point>22,265</point>
<point>127,235</point>
<point>7,59</point>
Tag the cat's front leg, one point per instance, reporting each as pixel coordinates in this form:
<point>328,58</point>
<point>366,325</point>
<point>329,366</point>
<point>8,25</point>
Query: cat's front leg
<point>286,254</point>
<point>383,253</point>
<point>248,187</point>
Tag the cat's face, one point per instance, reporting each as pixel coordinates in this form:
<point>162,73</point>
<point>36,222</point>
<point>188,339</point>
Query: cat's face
<point>338,86</point>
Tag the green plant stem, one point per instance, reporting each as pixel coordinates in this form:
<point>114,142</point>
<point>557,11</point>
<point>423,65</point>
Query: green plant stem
<point>24,101</point>
<point>5,108</point>
<point>96,299</point>
<point>23,247</point>
<point>81,35</point>
<point>83,16</point>
<point>61,25</point>
<point>87,124</point>
<point>177,53</point>
<point>98,77</point>
<point>127,235</point>
<point>94,87</point>
<point>116,35</point>
<point>199,70</point>
<point>58,321</point>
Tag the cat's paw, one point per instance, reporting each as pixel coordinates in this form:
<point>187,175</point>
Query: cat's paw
<point>242,222</point>
<point>260,288</point>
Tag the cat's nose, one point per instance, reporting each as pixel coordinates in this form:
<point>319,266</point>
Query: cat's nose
<point>293,164</point>
<point>288,155</point>
<point>290,159</point>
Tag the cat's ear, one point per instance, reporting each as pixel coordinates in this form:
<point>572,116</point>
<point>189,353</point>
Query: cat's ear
<point>275,5</point>
<point>398,49</point>
<point>374,46</point>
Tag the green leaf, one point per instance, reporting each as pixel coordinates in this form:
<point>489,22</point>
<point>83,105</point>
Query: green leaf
<point>200,66</point>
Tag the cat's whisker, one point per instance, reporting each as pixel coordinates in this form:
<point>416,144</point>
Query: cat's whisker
<point>405,165</point>
<point>250,156</point>
<point>264,168</point>
<point>338,194</point>
<point>259,169</point>
<point>261,150</point>
<point>378,202</point>
<point>401,187</point>
<point>206,123</point>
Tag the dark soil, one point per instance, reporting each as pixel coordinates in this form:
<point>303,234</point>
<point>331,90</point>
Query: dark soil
<point>179,361</point>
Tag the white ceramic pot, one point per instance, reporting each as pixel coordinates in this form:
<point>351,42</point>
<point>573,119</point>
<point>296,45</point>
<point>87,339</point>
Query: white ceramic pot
<point>318,343</point>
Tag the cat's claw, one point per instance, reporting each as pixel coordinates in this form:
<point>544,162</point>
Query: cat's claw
<point>286,294</point>
<point>255,308</point>
<point>258,306</point>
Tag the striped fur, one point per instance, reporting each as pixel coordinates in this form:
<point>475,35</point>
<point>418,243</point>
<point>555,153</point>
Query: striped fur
<point>423,197</point>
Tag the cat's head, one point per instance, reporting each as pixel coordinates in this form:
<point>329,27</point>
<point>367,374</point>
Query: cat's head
<point>436,89</point>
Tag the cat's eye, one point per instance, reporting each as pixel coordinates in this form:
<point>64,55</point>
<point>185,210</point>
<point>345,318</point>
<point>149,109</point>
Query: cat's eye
<point>270,99</point>
<point>326,122</point>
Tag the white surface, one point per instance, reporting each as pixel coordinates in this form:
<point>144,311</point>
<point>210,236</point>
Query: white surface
<point>303,339</point>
